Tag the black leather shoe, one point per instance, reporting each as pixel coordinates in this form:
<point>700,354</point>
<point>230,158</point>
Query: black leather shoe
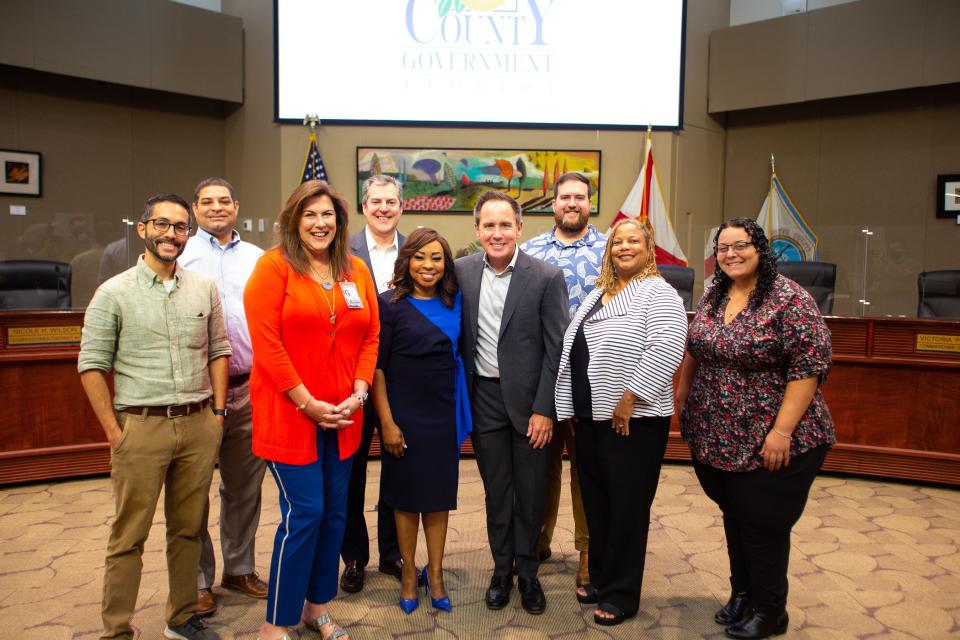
<point>391,568</point>
<point>734,610</point>
<point>498,593</point>
<point>531,595</point>
<point>351,580</point>
<point>759,625</point>
<point>544,554</point>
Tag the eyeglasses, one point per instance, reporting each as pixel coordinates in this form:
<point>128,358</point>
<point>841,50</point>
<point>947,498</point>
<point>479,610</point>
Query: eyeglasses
<point>163,226</point>
<point>737,247</point>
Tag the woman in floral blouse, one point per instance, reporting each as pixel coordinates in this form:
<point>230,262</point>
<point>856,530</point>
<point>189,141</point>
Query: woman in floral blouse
<point>754,418</point>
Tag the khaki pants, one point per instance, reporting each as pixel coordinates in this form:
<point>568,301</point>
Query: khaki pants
<point>563,435</point>
<point>154,453</point>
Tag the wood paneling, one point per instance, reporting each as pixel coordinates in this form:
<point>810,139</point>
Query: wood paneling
<point>759,64</point>
<point>154,44</point>
<point>849,49</point>
<point>896,410</point>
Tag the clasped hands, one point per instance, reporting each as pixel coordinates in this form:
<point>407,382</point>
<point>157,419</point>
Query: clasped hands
<point>328,416</point>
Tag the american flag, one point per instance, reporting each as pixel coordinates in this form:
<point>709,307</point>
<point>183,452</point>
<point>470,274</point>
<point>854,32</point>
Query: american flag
<point>313,167</point>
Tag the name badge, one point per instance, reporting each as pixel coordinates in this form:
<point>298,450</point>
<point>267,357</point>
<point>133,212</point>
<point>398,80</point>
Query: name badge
<point>351,296</point>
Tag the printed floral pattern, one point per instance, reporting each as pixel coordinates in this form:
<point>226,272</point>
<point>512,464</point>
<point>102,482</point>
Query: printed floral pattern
<point>580,261</point>
<point>743,373</point>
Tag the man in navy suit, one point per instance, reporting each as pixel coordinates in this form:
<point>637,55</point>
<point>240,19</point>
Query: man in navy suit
<point>514,316</point>
<point>377,245</point>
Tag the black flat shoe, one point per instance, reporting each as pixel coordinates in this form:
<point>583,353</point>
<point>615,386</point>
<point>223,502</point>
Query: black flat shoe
<point>618,615</point>
<point>531,595</point>
<point>392,568</point>
<point>734,610</point>
<point>759,625</point>
<point>498,593</point>
<point>592,595</point>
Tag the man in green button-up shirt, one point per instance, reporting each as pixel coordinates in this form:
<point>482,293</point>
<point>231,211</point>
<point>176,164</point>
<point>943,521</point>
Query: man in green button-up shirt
<point>160,329</point>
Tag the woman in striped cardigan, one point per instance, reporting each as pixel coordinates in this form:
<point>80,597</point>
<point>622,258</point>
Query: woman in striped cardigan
<point>616,377</point>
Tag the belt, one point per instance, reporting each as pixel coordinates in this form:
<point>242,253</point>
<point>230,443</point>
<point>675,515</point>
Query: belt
<point>239,379</point>
<point>172,411</point>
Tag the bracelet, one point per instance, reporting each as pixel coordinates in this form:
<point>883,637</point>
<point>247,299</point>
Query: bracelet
<point>782,435</point>
<point>361,396</point>
<point>301,407</point>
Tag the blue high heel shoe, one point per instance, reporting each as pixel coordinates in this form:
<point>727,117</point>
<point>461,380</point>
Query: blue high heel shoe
<point>438,603</point>
<point>409,606</point>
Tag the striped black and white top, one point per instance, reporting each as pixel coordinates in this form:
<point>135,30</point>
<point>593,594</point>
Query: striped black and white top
<point>635,342</point>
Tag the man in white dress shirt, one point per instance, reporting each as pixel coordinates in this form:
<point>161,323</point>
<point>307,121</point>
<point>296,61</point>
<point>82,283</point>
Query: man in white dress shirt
<point>377,245</point>
<point>217,251</point>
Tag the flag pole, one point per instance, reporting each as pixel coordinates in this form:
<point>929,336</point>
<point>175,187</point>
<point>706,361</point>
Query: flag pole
<point>773,164</point>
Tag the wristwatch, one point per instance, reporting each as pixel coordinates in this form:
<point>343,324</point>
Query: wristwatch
<point>220,412</point>
<point>361,396</point>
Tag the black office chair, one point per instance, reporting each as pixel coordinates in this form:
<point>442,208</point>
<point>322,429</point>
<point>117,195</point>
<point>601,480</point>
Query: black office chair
<point>681,279</point>
<point>34,284</point>
<point>939,294</point>
<point>818,278</point>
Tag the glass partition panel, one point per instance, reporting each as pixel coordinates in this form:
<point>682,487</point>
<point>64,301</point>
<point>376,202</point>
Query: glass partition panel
<point>93,248</point>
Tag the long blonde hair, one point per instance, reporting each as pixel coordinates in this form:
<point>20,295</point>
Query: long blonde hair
<point>607,279</point>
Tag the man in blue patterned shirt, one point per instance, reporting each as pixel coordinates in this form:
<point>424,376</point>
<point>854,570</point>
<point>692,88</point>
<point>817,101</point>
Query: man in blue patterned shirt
<point>576,248</point>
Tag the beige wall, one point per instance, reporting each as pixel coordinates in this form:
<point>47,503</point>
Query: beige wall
<point>105,149</point>
<point>689,162</point>
<point>864,162</point>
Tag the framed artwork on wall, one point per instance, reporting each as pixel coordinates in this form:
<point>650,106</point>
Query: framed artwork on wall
<point>948,196</point>
<point>443,180</point>
<point>19,173</point>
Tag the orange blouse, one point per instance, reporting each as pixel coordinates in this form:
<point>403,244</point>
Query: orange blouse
<point>293,342</point>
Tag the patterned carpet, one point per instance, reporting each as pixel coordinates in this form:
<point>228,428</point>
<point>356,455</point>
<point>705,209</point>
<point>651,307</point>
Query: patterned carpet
<point>870,560</point>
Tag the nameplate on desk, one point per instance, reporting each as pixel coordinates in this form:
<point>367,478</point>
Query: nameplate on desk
<point>33,336</point>
<point>938,342</point>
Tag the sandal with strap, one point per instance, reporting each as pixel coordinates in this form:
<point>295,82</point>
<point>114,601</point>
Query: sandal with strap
<point>315,625</point>
<point>618,615</point>
<point>590,594</point>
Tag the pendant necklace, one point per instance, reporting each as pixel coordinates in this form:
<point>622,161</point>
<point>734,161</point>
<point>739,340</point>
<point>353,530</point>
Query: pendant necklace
<point>324,287</point>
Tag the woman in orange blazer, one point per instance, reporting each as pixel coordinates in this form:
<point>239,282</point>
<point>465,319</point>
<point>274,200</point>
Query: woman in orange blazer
<point>314,325</point>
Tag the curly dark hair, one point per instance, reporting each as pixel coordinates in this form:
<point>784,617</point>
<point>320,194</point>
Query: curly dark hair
<point>766,270</point>
<point>402,282</point>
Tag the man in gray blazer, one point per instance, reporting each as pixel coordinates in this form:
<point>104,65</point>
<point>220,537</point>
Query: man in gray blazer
<point>514,316</point>
<point>377,245</point>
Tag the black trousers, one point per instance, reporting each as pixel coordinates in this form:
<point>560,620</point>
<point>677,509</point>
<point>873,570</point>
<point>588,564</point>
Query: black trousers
<point>759,510</point>
<point>618,479</point>
<point>356,541</point>
<point>514,480</point>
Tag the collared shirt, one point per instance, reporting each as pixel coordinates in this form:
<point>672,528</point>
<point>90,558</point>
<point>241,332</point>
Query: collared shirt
<point>158,344</point>
<point>230,267</point>
<point>580,261</point>
<point>382,259</point>
<point>493,295</point>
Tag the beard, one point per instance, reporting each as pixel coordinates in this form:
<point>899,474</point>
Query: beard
<point>575,226</point>
<point>150,244</point>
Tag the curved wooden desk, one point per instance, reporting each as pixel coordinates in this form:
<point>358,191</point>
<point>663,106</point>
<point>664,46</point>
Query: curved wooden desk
<point>896,402</point>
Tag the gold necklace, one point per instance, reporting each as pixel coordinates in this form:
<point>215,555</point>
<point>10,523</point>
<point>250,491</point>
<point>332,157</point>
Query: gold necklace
<point>323,291</point>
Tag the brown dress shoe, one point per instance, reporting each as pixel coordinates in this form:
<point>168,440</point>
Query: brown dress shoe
<point>248,584</point>
<point>351,580</point>
<point>206,603</point>
<point>583,571</point>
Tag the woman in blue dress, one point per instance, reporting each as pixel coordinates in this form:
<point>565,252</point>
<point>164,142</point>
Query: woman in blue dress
<point>419,391</point>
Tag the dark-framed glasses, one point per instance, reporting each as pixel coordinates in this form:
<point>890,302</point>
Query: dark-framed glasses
<point>162,225</point>
<point>737,247</point>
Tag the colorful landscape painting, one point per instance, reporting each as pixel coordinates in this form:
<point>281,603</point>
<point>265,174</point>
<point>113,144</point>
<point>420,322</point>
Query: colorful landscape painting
<point>451,180</point>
